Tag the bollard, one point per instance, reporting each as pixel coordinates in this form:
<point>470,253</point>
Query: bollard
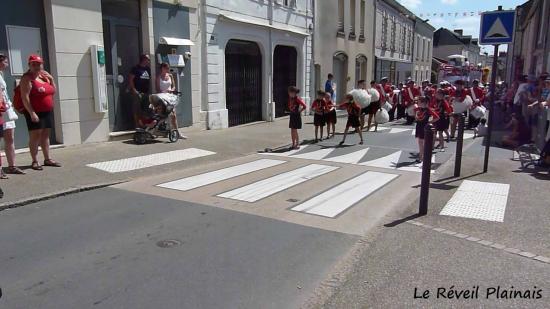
<point>426,169</point>
<point>459,143</point>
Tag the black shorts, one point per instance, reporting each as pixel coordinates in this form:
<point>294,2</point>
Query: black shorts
<point>330,117</point>
<point>365,110</point>
<point>353,121</point>
<point>374,107</point>
<point>319,120</point>
<point>45,121</point>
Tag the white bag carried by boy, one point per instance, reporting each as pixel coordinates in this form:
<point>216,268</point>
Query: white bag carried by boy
<point>374,95</point>
<point>361,96</point>
<point>10,114</point>
<point>478,112</point>
<point>387,106</point>
<point>382,116</point>
<point>460,107</point>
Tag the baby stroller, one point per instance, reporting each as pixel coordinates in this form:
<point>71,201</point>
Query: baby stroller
<point>156,122</point>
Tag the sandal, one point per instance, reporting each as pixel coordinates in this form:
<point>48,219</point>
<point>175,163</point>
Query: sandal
<point>3,175</point>
<point>51,162</point>
<point>14,170</point>
<point>35,166</point>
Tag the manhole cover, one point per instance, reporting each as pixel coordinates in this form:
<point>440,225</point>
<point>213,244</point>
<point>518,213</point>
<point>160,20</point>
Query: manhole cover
<point>292,200</point>
<point>168,243</point>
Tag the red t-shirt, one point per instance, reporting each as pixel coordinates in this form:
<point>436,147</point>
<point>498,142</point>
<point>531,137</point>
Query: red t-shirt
<point>296,103</point>
<point>319,106</point>
<point>41,96</point>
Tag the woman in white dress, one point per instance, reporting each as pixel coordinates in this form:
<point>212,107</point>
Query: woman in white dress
<point>165,84</point>
<point>8,127</point>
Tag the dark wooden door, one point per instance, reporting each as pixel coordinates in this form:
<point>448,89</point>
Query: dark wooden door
<point>284,75</point>
<point>243,82</point>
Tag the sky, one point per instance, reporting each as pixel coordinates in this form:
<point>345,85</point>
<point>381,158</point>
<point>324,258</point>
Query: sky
<point>469,23</point>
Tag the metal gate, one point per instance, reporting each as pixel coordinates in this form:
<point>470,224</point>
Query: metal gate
<point>243,82</point>
<point>284,74</point>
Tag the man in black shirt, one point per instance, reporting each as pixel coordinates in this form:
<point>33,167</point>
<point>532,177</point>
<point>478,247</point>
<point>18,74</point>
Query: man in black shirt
<point>139,81</point>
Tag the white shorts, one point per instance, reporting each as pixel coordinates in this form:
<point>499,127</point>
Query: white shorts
<point>9,125</point>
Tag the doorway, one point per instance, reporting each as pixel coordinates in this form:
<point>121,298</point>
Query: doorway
<point>243,82</point>
<point>122,39</point>
<point>285,60</point>
<point>340,72</point>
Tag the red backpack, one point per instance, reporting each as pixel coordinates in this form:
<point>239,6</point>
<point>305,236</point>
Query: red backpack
<point>17,100</point>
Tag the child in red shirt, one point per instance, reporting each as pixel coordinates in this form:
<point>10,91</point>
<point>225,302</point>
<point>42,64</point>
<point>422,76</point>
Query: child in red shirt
<point>423,112</point>
<point>330,115</point>
<point>296,106</point>
<point>353,117</point>
<point>319,108</point>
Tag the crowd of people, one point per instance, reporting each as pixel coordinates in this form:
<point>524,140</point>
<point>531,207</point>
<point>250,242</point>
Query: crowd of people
<point>441,104</point>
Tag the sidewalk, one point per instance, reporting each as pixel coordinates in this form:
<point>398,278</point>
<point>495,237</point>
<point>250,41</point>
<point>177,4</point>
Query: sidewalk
<point>75,175</point>
<point>437,251</point>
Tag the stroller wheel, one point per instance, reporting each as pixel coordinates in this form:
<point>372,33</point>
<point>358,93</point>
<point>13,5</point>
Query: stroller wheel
<point>173,136</point>
<point>140,138</point>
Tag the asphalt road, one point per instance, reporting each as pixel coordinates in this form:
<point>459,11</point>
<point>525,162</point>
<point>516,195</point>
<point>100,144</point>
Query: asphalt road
<point>100,249</point>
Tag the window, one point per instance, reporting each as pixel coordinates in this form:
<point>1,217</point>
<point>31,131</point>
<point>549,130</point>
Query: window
<point>393,33</point>
<point>362,21</point>
<point>385,31</point>
<point>341,16</point>
<point>423,49</point>
<point>417,51</point>
<point>352,17</point>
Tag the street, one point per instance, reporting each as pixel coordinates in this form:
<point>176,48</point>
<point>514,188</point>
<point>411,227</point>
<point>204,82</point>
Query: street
<point>246,231</point>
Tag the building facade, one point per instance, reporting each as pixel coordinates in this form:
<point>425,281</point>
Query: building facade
<point>252,51</point>
<point>394,40</point>
<point>343,43</point>
<point>423,49</point>
<point>447,43</point>
<point>530,51</point>
<point>67,33</point>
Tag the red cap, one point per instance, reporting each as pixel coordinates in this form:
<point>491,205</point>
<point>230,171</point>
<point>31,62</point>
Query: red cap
<point>35,58</point>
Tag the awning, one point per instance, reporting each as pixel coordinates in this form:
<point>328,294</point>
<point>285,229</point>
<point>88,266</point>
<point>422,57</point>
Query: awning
<point>175,41</point>
<point>261,23</point>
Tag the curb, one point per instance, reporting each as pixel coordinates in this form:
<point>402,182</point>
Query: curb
<point>64,192</point>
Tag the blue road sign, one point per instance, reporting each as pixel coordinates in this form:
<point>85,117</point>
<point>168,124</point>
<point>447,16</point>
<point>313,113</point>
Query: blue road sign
<point>497,27</point>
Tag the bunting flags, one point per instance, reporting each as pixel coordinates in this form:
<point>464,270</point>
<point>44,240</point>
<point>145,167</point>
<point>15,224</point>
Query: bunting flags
<point>451,14</point>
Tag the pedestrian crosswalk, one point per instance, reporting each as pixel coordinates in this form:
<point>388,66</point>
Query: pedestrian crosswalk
<point>325,201</point>
<point>386,158</point>
<point>334,201</point>
<point>269,186</point>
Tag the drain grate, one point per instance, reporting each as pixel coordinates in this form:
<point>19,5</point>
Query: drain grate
<point>168,243</point>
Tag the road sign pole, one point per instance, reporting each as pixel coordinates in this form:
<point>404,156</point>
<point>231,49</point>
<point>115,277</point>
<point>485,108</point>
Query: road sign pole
<point>491,109</point>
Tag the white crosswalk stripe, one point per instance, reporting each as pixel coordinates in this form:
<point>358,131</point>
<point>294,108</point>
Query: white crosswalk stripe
<point>389,161</point>
<point>315,155</point>
<point>336,200</point>
<point>264,188</point>
<point>286,153</point>
<point>134,163</point>
<point>200,180</point>
<point>398,130</point>
<point>351,158</point>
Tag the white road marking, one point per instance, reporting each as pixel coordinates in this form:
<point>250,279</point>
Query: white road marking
<point>413,132</point>
<point>334,201</point>
<point>478,200</point>
<point>352,158</point>
<point>315,155</point>
<point>468,135</point>
<point>389,161</point>
<point>196,181</point>
<point>286,153</point>
<point>417,167</point>
<point>134,163</point>
<point>264,188</point>
<point>398,130</point>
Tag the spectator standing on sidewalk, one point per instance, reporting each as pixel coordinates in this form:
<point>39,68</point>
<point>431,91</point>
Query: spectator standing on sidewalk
<point>138,85</point>
<point>37,91</point>
<point>296,106</point>
<point>329,87</point>
<point>7,129</point>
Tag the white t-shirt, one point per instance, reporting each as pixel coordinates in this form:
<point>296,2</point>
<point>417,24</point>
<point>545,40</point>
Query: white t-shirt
<point>3,89</point>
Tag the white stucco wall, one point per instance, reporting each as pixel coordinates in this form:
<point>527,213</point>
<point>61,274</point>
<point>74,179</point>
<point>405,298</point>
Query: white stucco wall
<point>327,43</point>
<point>249,20</point>
<point>69,41</point>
